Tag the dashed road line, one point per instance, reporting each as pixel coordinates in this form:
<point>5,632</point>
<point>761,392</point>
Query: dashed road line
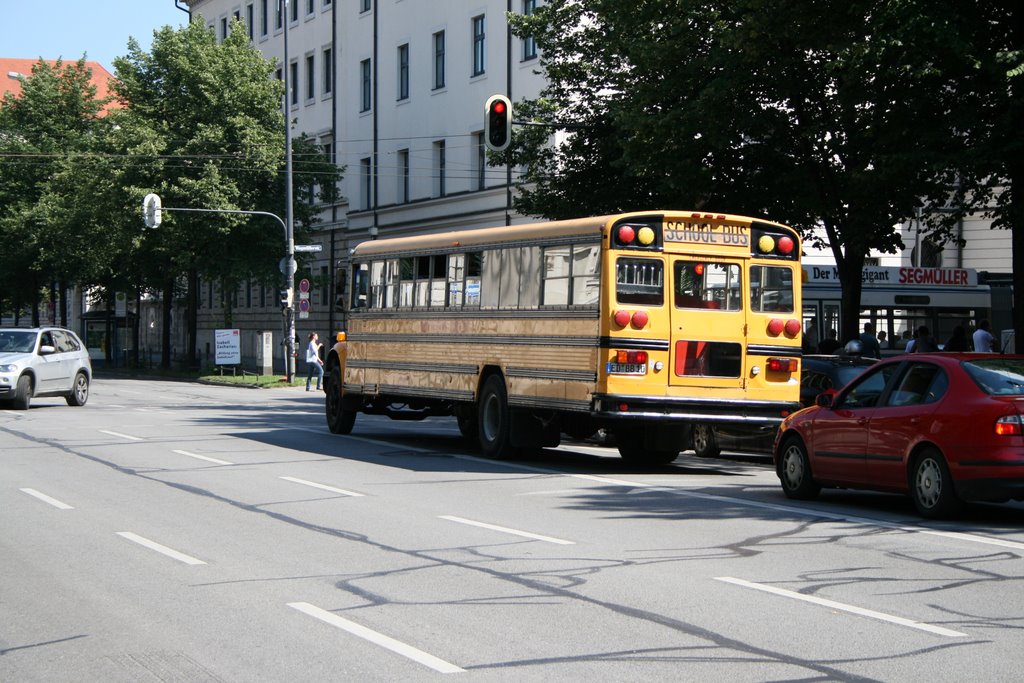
<point>47,499</point>
<point>881,616</point>
<point>506,530</point>
<point>387,642</point>
<point>162,549</point>
<point>323,487</point>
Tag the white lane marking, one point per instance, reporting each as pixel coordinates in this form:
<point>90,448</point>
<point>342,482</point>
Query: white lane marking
<point>203,457</point>
<point>46,499</point>
<point>120,435</point>
<point>162,549</point>
<point>881,616</point>
<point>398,647</point>
<point>678,490</point>
<point>325,487</point>
<point>503,529</point>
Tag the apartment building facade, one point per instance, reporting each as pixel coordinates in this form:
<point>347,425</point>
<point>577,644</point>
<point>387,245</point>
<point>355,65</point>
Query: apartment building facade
<point>394,91</point>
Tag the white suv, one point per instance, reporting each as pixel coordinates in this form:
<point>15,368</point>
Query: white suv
<point>43,361</point>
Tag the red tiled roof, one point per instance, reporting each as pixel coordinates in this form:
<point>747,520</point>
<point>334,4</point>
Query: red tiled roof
<point>12,69</point>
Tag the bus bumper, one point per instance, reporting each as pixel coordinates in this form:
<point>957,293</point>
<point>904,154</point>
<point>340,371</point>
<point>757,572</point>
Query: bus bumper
<point>620,407</point>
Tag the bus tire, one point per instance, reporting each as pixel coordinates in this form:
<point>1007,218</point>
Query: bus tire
<point>469,425</point>
<point>705,445</point>
<point>494,419</point>
<point>340,420</point>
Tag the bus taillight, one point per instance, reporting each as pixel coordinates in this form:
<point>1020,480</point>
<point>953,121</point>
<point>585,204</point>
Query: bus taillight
<point>623,356</point>
<point>781,365</point>
<point>640,319</point>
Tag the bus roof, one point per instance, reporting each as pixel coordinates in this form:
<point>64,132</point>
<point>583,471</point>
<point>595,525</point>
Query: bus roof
<point>528,232</point>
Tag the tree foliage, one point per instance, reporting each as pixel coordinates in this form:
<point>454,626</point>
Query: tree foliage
<point>833,116</point>
<point>54,120</point>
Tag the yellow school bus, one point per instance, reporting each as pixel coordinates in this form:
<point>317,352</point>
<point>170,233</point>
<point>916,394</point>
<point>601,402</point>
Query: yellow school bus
<point>638,323</point>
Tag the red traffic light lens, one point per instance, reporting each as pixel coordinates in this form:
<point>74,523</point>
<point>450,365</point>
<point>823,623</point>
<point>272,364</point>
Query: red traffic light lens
<point>499,107</point>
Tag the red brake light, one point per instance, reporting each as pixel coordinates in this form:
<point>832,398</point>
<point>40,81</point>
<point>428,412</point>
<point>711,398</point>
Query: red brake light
<point>640,319</point>
<point>775,327</point>
<point>782,364</point>
<point>622,318</point>
<point>792,327</point>
<point>1010,425</point>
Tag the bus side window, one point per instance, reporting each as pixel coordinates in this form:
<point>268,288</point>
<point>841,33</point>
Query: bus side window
<point>360,284</point>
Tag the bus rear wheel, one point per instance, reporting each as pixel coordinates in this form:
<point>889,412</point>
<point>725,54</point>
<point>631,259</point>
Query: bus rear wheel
<point>494,419</point>
<point>340,420</point>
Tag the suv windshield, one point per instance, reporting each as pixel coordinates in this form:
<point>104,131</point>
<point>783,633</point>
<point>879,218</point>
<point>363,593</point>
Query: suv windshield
<point>17,341</point>
<point>1003,376</point>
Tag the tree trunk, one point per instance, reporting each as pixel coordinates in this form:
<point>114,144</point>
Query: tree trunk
<point>192,316</point>
<point>1016,211</point>
<point>165,325</point>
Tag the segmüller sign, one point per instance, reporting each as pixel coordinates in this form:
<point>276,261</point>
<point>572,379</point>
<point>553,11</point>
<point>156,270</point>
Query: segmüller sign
<point>897,275</point>
<point>227,349</point>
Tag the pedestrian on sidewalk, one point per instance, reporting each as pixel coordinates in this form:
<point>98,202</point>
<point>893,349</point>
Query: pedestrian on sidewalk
<point>313,361</point>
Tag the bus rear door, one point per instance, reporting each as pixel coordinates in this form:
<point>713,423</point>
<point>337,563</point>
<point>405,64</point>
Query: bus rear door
<point>708,323</point>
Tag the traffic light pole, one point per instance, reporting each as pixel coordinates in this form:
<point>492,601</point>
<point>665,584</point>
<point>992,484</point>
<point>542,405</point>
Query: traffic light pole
<point>289,228</point>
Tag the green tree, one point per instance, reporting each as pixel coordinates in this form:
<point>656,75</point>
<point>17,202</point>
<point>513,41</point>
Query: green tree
<point>211,112</point>
<point>807,113</point>
<point>986,175</point>
<point>54,120</point>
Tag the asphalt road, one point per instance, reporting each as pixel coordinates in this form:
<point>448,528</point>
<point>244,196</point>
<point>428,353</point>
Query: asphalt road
<point>181,532</point>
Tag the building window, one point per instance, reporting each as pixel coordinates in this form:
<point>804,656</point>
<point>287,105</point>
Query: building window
<point>440,164</point>
<point>365,80</point>
<point>328,69</point>
<point>438,60</point>
<point>325,281</point>
<point>310,7</point>
<point>223,29</point>
<point>364,5</point>
<point>366,182</point>
<point>278,18</point>
<point>310,78</point>
<point>403,176</point>
<point>264,19</point>
<point>293,74</point>
<point>403,72</point>
<point>479,45</point>
<point>250,20</point>
<point>529,42</point>
<point>295,10</point>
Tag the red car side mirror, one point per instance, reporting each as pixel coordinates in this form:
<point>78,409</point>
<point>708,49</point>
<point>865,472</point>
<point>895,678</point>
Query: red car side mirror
<point>825,398</point>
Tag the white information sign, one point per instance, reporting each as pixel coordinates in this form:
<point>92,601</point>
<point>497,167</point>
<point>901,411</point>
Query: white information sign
<point>227,347</point>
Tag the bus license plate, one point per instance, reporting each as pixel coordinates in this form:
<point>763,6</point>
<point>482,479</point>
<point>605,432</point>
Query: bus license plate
<point>627,368</point>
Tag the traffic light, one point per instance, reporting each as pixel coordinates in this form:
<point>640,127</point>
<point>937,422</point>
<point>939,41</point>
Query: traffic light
<point>497,123</point>
<point>285,296</point>
<point>151,210</point>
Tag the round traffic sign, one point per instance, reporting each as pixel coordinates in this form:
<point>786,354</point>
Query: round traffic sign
<point>303,285</point>
<point>304,305</point>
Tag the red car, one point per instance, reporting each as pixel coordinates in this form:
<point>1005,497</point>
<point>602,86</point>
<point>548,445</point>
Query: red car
<point>943,427</point>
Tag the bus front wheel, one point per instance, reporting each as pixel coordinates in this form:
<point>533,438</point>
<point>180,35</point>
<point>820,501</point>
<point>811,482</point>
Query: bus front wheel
<point>494,419</point>
<point>339,418</point>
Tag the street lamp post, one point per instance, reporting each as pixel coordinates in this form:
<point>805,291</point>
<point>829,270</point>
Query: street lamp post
<point>289,218</point>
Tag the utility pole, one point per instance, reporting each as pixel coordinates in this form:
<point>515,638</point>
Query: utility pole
<point>289,284</point>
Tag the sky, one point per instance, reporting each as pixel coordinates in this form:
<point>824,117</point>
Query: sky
<point>67,29</point>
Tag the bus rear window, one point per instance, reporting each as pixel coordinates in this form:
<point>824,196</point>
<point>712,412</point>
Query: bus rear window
<point>639,281</point>
<point>771,289</point>
<point>707,285</point>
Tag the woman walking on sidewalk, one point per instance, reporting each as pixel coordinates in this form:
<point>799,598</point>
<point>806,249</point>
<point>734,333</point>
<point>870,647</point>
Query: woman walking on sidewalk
<point>313,362</point>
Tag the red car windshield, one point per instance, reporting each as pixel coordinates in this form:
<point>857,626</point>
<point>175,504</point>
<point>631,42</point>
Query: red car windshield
<point>998,376</point>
